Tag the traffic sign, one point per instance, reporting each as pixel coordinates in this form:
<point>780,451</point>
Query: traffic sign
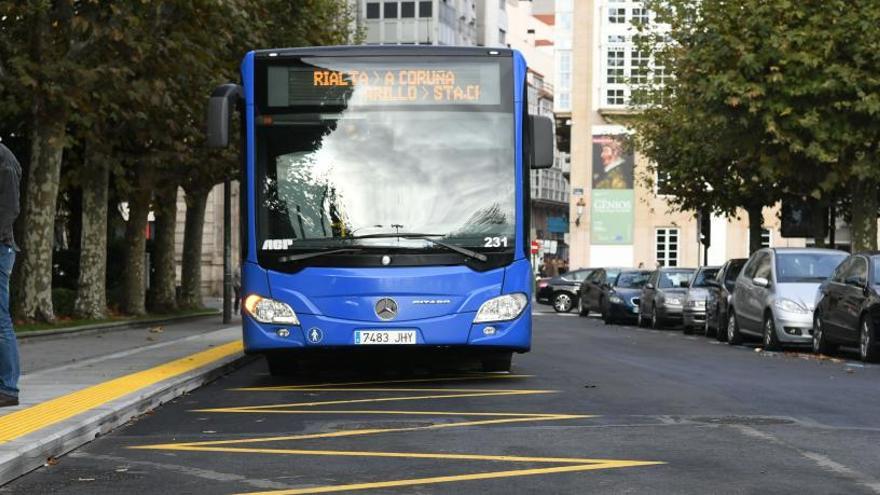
<point>535,247</point>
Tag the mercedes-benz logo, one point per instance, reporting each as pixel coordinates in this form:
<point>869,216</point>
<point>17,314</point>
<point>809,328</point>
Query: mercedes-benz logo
<point>386,308</point>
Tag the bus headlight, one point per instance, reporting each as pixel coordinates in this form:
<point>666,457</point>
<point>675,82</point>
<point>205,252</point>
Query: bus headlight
<point>267,310</point>
<point>502,308</point>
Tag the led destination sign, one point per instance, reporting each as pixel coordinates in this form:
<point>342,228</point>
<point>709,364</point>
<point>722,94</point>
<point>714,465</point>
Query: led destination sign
<point>329,82</point>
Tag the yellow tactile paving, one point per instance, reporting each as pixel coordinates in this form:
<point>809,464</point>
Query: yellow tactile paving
<point>277,445</point>
<point>48,413</point>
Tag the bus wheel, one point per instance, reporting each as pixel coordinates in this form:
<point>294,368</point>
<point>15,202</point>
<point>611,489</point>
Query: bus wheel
<point>497,362</point>
<point>281,365</point>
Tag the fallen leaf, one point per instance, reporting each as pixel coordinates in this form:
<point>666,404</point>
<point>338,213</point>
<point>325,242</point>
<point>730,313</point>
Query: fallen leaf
<point>157,329</point>
<point>52,461</point>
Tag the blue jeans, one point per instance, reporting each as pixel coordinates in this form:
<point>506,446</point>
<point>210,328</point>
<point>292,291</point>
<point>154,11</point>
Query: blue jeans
<point>9,365</point>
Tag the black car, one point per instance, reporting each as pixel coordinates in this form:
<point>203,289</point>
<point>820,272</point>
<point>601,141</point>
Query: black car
<point>592,291</point>
<point>848,312</point>
<point>718,300</point>
<point>563,290</point>
<point>620,297</point>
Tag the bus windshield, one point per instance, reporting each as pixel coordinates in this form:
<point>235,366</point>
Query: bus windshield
<point>405,150</point>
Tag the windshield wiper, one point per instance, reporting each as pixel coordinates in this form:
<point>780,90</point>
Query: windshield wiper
<point>316,254</point>
<point>427,237</point>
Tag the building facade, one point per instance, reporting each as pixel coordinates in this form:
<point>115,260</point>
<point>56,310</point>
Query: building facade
<point>619,219</point>
<point>532,32</point>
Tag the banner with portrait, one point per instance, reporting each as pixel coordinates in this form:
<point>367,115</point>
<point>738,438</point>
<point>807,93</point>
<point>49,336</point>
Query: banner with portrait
<point>613,196</point>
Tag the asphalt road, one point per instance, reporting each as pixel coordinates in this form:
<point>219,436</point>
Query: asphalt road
<point>592,409</point>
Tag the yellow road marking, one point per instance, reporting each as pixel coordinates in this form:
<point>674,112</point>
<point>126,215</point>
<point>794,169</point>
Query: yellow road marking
<point>276,407</point>
<point>246,445</point>
<point>604,464</point>
<point>20,423</point>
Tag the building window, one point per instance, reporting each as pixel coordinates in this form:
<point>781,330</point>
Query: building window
<point>391,10</point>
<point>373,10</point>
<point>662,183</point>
<point>426,9</point>
<point>616,97</point>
<point>615,67</point>
<point>639,61</point>
<point>502,4</point>
<point>407,10</point>
<point>667,246</point>
<point>640,16</point>
<point>616,38</point>
<point>617,15</point>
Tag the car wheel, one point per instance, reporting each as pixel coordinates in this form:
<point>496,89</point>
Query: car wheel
<point>562,302</point>
<point>583,310</point>
<point>868,350</point>
<point>707,330</point>
<point>770,339</point>
<point>607,317</point>
<point>720,330</point>
<point>733,335</point>
<point>820,340</point>
<point>655,319</point>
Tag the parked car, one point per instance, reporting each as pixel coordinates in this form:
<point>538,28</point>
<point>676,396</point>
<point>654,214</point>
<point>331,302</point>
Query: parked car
<point>620,297</point>
<point>695,299</point>
<point>848,311</point>
<point>564,288</point>
<point>662,298</point>
<point>718,299</point>
<point>543,291</point>
<point>593,289</point>
<point>775,295</point>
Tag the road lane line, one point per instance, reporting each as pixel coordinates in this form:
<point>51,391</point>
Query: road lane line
<point>263,446</point>
<point>608,464</point>
<point>25,421</point>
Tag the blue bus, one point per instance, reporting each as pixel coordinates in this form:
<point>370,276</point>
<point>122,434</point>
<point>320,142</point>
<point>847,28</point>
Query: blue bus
<point>385,199</point>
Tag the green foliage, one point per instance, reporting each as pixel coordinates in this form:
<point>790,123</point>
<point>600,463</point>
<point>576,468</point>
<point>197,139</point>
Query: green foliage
<point>768,99</point>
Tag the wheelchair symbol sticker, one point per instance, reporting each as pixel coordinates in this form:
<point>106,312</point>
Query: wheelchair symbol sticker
<point>315,335</point>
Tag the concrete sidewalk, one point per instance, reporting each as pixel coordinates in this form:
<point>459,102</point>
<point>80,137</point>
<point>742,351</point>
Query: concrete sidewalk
<point>76,387</point>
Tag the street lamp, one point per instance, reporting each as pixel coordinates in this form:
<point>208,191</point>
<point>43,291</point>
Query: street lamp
<point>580,211</point>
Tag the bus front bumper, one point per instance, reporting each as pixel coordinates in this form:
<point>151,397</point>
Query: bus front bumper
<point>317,332</point>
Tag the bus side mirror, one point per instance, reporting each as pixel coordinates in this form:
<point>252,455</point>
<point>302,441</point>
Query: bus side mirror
<point>542,141</point>
<point>220,107</point>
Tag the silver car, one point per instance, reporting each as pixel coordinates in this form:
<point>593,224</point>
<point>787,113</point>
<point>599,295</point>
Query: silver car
<point>775,295</point>
<point>695,299</point>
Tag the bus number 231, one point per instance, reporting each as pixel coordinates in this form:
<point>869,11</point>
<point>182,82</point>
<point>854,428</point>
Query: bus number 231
<point>494,242</point>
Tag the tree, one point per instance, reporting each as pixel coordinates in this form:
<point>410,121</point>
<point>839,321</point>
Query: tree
<point>802,77</point>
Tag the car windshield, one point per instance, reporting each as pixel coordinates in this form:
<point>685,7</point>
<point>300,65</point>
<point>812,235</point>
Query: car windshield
<point>704,275</point>
<point>675,279</point>
<point>632,280</point>
<point>806,267</point>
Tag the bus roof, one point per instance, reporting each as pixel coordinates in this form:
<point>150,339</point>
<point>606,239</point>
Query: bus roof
<point>379,50</point>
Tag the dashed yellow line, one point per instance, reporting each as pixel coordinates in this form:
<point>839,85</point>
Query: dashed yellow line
<point>21,423</point>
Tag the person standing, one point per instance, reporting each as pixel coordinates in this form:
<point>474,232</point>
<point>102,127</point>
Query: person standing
<point>10,180</point>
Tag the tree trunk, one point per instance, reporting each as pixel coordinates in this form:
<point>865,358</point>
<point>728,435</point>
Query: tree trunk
<point>165,280</point>
<point>864,214</point>
<point>135,244</point>
<point>756,224</point>
<point>191,284</point>
<point>91,295</point>
<point>47,147</point>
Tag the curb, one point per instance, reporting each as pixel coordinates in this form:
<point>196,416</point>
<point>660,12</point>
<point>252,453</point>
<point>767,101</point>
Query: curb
<point>34,450</point>
<point>106,327</point>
